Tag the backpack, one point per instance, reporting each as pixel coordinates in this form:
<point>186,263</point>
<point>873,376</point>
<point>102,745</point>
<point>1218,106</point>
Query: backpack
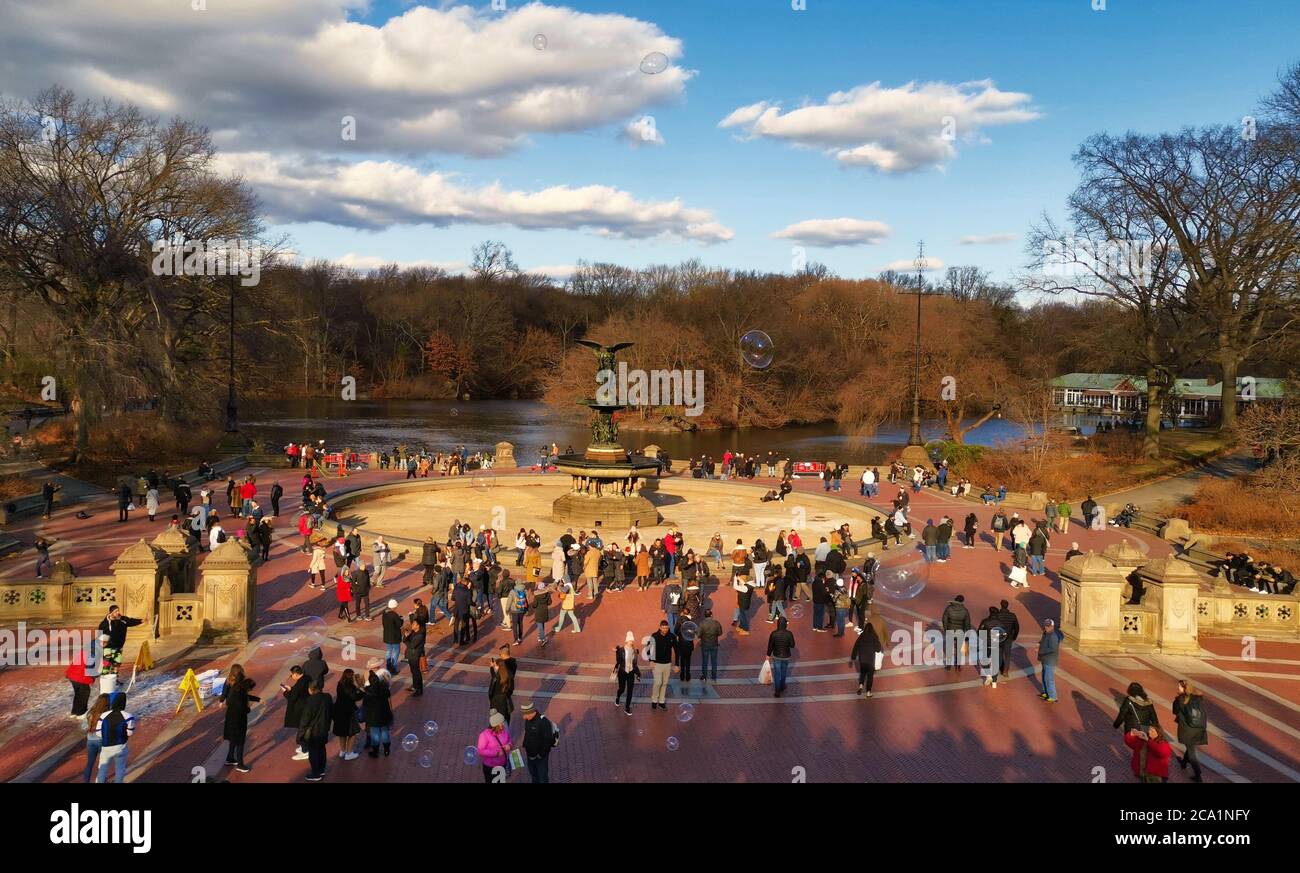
<point>1194,713</point>
<point>112,729</point>
<point>999,523</point>
<point>221,536</point>
<point>521,600</point>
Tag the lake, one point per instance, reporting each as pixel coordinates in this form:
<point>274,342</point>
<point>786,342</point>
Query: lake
<point>374,425</point>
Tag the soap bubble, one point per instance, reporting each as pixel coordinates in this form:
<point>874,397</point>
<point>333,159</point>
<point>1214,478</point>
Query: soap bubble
<point>409,742</point>
<point>640,732</point>
<point>796,610</point>
<point>286,639</point>
<point>455,411</point>
<point>539,42</point>
<point>482,480</point>
<point>901,583</point>
<point>426,759</point>
<point>470,756</point>
<point>673,744</point>
<point>655,62</point>
<point>756,349</point>
<point>685,712</point>
<point>690,630</point>
<point>430,728</point>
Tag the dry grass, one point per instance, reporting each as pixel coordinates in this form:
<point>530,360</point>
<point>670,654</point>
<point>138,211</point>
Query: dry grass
<point>15,486</point>
<point>1236,506</point>
<point>1284,556</point>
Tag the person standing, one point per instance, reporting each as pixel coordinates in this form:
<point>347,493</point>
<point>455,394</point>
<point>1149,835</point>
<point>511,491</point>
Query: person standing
<point>955,622</point>
<point>591,570</point>
<point>415,637</point>
<point>780,648</point>
<point>990,637</point>
<point>1193,726</point>
<point>237,700</point>
<point>93,741</point>
<point>1063,516</point>
<point>115,728</point>
<point>378,708</point>
<point>81,683</point>
<point>501,686</point>
<point>709,634</point>
<point>494,745</point>
<point>1037,548</point>
<point>944,544</point>
<point>48,490</point>
<point>843,603</point>
<point>123,502</point>
<point>663,653</point>
<point>1049,653</point>
<point>1011,624</point>
<point>112,633</point>
<point>277,491</point>
<point>626,670</point>
<point>361,590</point>
<point>670,601</point>
<point>391,623</point>
<point>865,651</point>
<point>999,526</point>
<point>518,609</point>
<point>347,700</point>
<point>315,728</point>
<point>540,736</point>
<point>542,610</point>
<point>744,598</point>
<point>972,525</point>
<point>383,553</point>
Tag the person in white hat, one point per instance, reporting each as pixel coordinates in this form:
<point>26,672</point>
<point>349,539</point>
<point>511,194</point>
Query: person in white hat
<point>392,625</point>
<point>626,670</point>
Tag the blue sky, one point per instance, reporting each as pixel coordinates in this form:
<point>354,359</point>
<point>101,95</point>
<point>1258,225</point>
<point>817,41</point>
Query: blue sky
<point>1147,66</point>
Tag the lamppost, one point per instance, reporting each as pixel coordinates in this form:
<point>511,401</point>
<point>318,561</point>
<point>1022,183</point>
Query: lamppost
<point>232,416</point>
<point>914,452</point>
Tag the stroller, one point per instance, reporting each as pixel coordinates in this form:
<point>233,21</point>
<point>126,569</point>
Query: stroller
<point>1126,516</point>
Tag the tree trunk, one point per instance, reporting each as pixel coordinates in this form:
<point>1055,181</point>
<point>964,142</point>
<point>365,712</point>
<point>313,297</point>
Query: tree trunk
<point>1155,403</point>
<point>1228,362</point>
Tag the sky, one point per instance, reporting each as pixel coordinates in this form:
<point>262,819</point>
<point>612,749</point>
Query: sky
<point>843,132</point>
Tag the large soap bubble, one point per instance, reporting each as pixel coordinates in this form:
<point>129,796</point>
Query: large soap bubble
<point>653,63</point>
<point>690,630</point>
<point>756,349</point>
<point>903,582</point>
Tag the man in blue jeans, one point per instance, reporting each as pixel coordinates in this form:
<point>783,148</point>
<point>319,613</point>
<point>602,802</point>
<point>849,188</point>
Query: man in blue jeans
<point>709,633</point>
<point>780,647</point>
<point>1049,652</point>
<point>392,625</point>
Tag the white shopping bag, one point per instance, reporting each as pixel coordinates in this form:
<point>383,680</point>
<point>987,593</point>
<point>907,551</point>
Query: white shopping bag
<point>765,673</point>
<point>880,659</point>
<point>1019,576</point>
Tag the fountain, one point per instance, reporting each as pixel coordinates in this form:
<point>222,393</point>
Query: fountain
<point>604,481</point>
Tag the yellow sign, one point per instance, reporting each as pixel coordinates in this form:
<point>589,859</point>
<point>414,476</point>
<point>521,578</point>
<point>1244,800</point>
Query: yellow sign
<point>143,659</point>
<point>190,688</point>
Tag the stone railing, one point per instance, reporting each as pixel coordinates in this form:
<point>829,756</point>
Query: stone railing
<point>58,597</point>
<point>1225,610</point>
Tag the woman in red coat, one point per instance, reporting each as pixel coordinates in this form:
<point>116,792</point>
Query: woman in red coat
<point>81,683</point>
<point>343,590</point>
<point>1151,753</point>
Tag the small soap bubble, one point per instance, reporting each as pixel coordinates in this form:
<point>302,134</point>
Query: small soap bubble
<point>483,480</point>
<point>796,610</point>
<point>756,349</point>
<point>409,742</point>
<point>426,759</point>
<point>655,62</point>
<point>685,712</point>
<point>673,744</point>
<point>539,42</point>
<point>430,728</point>
<point>470,756</point>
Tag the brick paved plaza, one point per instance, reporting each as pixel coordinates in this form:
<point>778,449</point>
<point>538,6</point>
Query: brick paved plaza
<point>923,723</point>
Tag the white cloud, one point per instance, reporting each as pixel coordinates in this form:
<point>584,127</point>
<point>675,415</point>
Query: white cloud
<point>380,194</point>
<point>929,265</point>
<point>642,132</point>
<point>891,130</point>
<point>559,272</point>
<point>366,263</point>
<point>988,239</point>
<point>281,76</point>
<point>834,232</point>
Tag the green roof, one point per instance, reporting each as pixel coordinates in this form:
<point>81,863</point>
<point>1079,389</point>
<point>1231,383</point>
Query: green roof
<point>1265,387</point>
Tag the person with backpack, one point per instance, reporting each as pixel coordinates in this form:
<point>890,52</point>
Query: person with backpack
<point>1151,753</point>
<point>1136,712</point>
<point>1193,726</point>
<point>114,730</point>
<point>955,622</point>
<point>999,526</point>
<point>843,603</point>
<point>540,736</point>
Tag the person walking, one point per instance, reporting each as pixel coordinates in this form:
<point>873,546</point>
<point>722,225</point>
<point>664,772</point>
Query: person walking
<point>780,649</point>
<point>670,601</point>
<point>1151,754</point>
<point>663,654</point>
<point>494,746</point>
<point>81,683</point>
<point>540,736</point>
<point>1011,625</point>
<point>868,654</point>
<point>626,670</point>
<point>1063,516</point>
<point>1136,711</point>
<point>237,700</point>
<point>1193,726</point>
<point>999,526</point>
<point>343,593</point>
<point>989,638</point>
<point>709,634</point>
<point>1049,653</point>
<point>518,609</point>
<point>542,611</point>
<point>568,603</point>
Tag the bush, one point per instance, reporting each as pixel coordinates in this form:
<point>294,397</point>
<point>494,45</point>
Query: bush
<point>959,456</point>
<point>15,486</point>
<point>1237,506</point>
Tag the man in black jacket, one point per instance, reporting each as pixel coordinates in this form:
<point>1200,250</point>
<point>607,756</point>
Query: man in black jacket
<point>992,635</point>
<point>955,623</point>
<point>462,600</point>
<point>821,598</point>
<point>429,558</point>
<point>295,697</point>
<point>315,668</point>
<point>540,736</point>
<point>1011,625</point>
<point>663,654</point>
<point>780,647</point>
<point>361,590</point>
<point>114,628</point>
<point>123,501</point>
<point>277,491</point>
<point>415,639</point>
<point>392,626</point>
<point>315,728</point>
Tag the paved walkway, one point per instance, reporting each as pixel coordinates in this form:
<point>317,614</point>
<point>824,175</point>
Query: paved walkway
<point>1177,489</point>
<point>924,723</point>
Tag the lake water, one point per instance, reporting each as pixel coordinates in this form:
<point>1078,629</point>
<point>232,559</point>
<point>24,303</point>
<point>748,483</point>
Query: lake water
<point>373,425</point>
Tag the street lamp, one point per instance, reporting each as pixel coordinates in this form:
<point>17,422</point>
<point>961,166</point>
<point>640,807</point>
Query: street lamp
<point>914,453</point>
<point>232,415</point>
